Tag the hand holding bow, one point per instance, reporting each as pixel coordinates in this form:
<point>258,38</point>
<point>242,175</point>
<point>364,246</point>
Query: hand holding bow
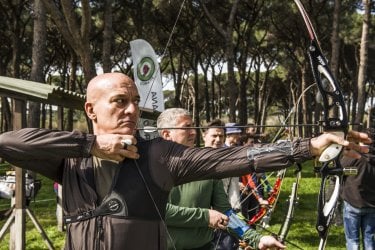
<point>351,143</point>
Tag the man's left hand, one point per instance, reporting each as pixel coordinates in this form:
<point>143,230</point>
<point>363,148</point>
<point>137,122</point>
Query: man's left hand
<point>352,145</point>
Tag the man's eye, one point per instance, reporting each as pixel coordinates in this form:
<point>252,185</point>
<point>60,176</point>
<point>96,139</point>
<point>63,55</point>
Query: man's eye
<point>120,101</point>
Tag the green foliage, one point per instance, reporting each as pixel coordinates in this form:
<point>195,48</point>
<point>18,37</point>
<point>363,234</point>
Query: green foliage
<point>261,36</point>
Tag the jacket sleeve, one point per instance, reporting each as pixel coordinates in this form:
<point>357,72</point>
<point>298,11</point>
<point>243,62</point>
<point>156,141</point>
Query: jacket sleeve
<point>191,164</point>
<point>277,156</point>
<point>43,150</point>
<point>186,216</point>
<point>252,237</point>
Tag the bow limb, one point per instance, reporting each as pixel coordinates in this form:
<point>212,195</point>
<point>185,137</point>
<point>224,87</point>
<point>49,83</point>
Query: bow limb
<point>272,200</point>
<point>335,121</point>
<point>274,197</point>
<point>293,200</point>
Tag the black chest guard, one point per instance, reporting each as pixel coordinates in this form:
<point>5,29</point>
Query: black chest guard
<point>135,194</point>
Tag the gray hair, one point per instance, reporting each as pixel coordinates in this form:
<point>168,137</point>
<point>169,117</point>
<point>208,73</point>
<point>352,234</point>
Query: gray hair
<point>168,118</point>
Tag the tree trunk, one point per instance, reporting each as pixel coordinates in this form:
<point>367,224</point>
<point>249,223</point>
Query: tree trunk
<point>335,40</point>
<point>72,87</point>
<point>38,54</point>
<point>77,36</point>
<point>227,35</point>
<point>196,103</point>
<point>258,94</point>
<point>363,54</point>
<point>206,94</point>
<point>232,83</point>
<point>6,115</point>
<point>213,101</point>
<point>16,39</point>
<point>335,44</point>
<point>107,36</point>
<point>179,82</point>
<point>243,102</point>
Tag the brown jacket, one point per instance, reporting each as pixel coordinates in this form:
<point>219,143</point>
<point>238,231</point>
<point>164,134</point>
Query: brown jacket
<point>65,157</point>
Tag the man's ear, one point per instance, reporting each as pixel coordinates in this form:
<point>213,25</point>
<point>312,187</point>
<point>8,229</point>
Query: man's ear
<point>165,134</point>
<point>90,111</point>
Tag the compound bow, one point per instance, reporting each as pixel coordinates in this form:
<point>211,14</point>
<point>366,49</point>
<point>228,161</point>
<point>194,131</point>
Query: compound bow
<point>335,121</point>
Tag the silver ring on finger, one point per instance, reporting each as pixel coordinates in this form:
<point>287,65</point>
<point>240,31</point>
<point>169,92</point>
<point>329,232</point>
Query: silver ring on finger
<point>125,143</point>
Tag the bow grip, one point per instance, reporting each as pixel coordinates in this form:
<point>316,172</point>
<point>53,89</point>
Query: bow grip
<point>333,150</point>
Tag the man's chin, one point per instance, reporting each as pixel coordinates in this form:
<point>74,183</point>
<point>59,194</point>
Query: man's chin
<point>126,131</point>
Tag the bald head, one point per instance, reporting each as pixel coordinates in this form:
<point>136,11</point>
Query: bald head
<point>105,82</point>
<point>112,103</point>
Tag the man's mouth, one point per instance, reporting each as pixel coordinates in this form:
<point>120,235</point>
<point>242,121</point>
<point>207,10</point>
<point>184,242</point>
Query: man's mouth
<point>127,123</point>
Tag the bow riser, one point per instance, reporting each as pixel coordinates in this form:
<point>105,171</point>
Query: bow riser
<point>332,97</point>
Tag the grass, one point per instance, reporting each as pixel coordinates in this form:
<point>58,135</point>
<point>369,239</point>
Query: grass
<point>302,231</point>
<point>44,209</point>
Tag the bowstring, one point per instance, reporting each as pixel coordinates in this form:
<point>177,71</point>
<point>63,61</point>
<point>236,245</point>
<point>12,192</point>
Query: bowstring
<point>164,52</point>
<point>140,114</point>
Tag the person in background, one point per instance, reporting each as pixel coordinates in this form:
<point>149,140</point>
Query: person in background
<point>194,209</point>
<point>233,138</point>
<point>214,134</point>
<point>251,130</point>
<point>248,140</point>
<point>118,184</point>
<point>250,186</point>
<point>358,195</point>
<point>232,135</point>
<point>214,137</point>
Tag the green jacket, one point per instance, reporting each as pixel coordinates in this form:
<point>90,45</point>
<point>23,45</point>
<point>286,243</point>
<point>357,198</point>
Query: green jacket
<point>187,212</point>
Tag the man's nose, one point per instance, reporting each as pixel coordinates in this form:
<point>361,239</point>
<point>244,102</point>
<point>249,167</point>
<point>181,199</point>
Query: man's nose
<point>131,108</point>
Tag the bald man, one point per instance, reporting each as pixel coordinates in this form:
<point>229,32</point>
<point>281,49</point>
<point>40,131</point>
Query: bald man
<point>116,186</point>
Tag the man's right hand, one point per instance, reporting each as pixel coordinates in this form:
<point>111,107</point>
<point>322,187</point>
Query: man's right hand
<point>112,147</point>
<point>269,242</point>
<point>217,220</point>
